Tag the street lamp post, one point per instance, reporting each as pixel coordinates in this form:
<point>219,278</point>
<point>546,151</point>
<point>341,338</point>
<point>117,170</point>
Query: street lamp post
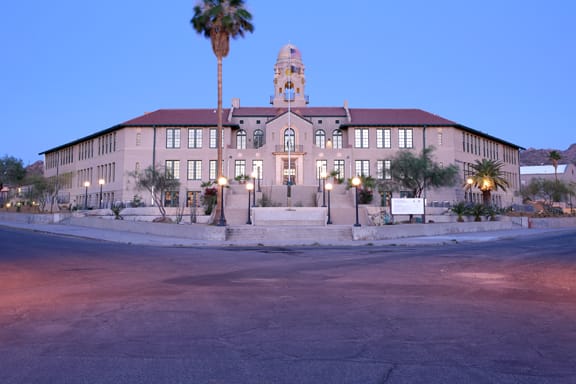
<point>323,175</point>
<point>328,187</point>
<point>222,181</point>
<point>101,182</point>
<point>249,188</point>
<point>254,174</point>
<point>356,183</point>
<point>86,185</point>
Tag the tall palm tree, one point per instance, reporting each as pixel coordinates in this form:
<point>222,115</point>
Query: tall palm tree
<point>219,20</point>
<point>555,157</point>
<point>488,176</point>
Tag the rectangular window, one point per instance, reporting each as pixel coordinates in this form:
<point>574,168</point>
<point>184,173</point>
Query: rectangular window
<point>213,134</point>
<point>258,168</point>
<point>361,138</point>
<point>339,167</point>
<point>405,139</point>
<point>213,172</point>
<point>195,138</point>
<point>173,138</point>
<point>383,169</point>
<point>171,198</point>
<point>194,169</point>
<point>383,138</point>
<point>362,167</point>
<point>321,166</point>
<point>173,169</point>
<point>239,168</point>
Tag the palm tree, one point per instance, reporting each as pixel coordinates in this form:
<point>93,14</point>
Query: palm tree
<point>219,20</point>
<point>488,176</point>
<point>555,157</point>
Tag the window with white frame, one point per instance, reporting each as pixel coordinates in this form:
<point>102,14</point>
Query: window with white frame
<point>289,140</point>
<point>194,169</point>
<point>258,138</point>
<point>195,138</point>
<point>383,169</point>
<point>258,168</point>
<point>241,139</point>
<point>362,167</point>
<point>173,169</point>
<point>321,167</point>
<point>173,138</point>
<point>383,138</point>
<point>212,138</point>
<point>337,139</point>
<point>239,168</point>
<point>212,170</point>
<point>405,138</point>
<point>361,138</point>
<point>320,138</point>
<point>339,167</point>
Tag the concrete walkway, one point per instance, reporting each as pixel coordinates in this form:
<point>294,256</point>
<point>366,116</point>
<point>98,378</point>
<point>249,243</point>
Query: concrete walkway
<point>171,241</point>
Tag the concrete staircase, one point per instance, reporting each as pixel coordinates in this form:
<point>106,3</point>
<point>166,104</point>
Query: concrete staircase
<point>304,234</point>
<point>343,211</point>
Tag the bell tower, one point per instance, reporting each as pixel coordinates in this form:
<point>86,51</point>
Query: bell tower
<point>289,79</point>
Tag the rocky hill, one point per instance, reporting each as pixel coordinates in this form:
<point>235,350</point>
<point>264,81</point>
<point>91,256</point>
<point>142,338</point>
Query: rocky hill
<point>532,156</point>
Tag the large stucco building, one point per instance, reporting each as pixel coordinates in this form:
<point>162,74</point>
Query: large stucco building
<point>287,141</point>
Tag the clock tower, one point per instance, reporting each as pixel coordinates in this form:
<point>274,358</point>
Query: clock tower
<point>289,79</point>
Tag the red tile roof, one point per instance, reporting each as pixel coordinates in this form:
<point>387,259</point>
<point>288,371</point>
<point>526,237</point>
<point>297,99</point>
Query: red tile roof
<point>177,117</point>
<point>365,116</point>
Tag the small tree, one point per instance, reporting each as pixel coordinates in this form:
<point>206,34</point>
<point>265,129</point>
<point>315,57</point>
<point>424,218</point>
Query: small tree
<point>548,191</point>
<point>414,173</point>
<point>12,171</point>
<point>156,180</point>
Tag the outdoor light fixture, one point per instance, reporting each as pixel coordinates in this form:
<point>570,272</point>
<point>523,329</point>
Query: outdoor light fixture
<point>222,181</point>
<point>254,175</point>
<point>356,183</point>
<point>259,177</point>
<point>323,175</point>
<point>101,182</point>
<point>249,188</point>
<point>328,187</point>
<point>86,185</point>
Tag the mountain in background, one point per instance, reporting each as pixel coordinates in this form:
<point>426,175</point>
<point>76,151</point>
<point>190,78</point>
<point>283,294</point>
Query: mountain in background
<point>532,156</point>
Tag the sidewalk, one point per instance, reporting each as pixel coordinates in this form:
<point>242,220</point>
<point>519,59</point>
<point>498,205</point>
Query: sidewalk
<point>168,241</point>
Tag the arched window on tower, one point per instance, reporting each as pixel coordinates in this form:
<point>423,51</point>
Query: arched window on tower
<point>337,138</point>
<point>258,138</point>
<point>289,140</point>
<point>289,91</point>
<point>241,139</point>
<point>320,138</point>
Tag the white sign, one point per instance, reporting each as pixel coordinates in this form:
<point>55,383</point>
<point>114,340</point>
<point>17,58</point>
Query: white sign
<point>405,206</point>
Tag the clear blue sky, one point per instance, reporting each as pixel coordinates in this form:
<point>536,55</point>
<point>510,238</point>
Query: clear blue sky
<point>72,68</point>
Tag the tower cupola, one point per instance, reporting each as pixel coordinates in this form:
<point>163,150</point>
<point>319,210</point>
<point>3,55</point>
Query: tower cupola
<point>289,79</point>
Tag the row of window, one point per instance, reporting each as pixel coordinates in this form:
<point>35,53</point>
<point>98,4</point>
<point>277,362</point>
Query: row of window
<point>488,149</point>
<point>106,144</point>
<point>194,170</point>
<point>106,172</point>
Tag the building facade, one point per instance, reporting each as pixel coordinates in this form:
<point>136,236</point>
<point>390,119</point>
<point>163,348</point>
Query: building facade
<point>287,142</point>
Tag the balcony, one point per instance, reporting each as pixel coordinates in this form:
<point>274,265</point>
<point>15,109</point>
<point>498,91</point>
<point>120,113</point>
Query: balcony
<point>283,149</point>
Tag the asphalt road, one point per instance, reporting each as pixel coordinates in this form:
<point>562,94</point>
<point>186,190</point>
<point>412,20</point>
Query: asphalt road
<point>82,311</point>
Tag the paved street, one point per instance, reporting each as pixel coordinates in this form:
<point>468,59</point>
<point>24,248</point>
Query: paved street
<point>84,311</point>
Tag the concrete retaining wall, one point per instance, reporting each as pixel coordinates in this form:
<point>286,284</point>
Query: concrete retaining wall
<point>33,218</point>
<point>412,230</point>
<point>189,231</point>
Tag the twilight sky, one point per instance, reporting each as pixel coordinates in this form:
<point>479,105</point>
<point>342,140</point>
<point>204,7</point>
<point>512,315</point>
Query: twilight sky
<point>72,68</point>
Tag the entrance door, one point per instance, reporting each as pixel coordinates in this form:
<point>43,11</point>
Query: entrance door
<point>289,172</point>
